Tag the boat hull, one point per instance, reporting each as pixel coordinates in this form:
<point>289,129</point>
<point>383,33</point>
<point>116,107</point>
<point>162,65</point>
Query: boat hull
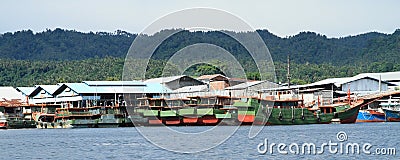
<point>3,125</point>
<point>108,121</point>
<point>190,120</point>
<point>209,120</point>
<point>246,118</point>
<point>391,115</point>
<point>155,122</point>
<point>107,125</point>
<point>3,121</point>
<point>172,121</point>
<point>83,123</point>
<point>348,116</point>
<point>17,124</point>
<point>366,116</point>
<point>297,116</point>
<point>53,125</point>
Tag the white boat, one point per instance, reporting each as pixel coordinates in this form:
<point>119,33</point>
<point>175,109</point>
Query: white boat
<point>47,121</point>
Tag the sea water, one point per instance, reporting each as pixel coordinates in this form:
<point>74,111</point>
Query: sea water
<point>128,143</point>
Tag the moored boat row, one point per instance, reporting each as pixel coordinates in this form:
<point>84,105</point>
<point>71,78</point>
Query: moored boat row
<point>224,110</point>
<point>199,110</point>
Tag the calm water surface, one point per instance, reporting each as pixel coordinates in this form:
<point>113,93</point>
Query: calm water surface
<point>127,143</point>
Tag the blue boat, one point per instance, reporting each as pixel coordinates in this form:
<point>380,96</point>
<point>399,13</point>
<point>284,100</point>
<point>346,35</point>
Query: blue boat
<point>370,116</point>
<point>392,111</point>
<point>392,115</point>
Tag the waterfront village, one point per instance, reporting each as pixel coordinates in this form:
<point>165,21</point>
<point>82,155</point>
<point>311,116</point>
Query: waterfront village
<point>205,100</point>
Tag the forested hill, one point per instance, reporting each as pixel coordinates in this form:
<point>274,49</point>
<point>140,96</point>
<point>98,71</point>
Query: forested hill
<point>59,55</point>
<point>61,44</point>
<point>305,47</point>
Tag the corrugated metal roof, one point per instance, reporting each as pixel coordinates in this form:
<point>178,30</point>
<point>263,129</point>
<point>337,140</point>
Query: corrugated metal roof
<point>113,83</point>
<point>204,77</point>
<point>335,81</point>
<point>156,88</point>
<point>164,79</point>
<point>247,84</point>
<point>340,81</point>
<point>78,87</point>
<point>396,83</point>
<point>82,88</point>
<point>10,93</point>
<point>386,76</point>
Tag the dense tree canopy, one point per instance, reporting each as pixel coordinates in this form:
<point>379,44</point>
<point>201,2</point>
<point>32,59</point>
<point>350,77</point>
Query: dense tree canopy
<point>59,55</point>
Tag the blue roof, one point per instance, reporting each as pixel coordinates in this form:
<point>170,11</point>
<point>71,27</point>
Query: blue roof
<point>81,88</point>
<point>156,88</point>
<point>144,88</point>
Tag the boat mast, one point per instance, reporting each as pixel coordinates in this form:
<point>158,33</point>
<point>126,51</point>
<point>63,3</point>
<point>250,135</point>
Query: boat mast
<point>288,71</point>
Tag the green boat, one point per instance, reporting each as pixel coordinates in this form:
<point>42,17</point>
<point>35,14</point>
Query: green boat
<point>19,122</point>
<point>75,118</point>
<point>247,109</point>
<point>293,112</point>
<point>348,113</point>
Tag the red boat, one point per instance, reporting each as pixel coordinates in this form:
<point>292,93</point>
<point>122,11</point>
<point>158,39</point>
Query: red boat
<point>377,113</point>
<point>3,121</point>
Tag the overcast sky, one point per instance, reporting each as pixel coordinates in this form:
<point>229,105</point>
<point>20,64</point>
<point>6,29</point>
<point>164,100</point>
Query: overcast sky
<point>334,18</point>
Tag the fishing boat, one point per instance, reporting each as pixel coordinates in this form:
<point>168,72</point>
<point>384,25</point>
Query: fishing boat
<point>392,111</point>
<point>45,120</point>
<point>371,115</point>
<point>229,115</point>
<point>3,121</point>
<point>189,116</point>
<point>108,121</point>
<point>293,112</point>
<point>47,117</point>
<point>107,116</point>
<point>78,118</point>
<point>177,112</point>
<point>19,116</point>
<point>246,109</point>
<point>347,112</point>
<point>147,111</point>
<point>392,115</point>
<point>210,109</point>
<point>65,118</point>
<point>21,122</point>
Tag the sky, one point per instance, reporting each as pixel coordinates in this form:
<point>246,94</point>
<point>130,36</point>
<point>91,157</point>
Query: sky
<point>333,18</point>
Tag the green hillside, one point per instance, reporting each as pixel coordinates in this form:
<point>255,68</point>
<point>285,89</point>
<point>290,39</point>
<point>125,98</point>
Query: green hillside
<point>59,55</point>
